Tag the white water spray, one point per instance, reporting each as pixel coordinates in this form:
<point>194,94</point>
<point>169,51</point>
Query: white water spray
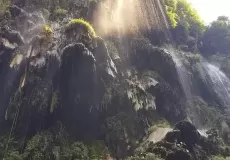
<point>184,78</point>
<point>220,82</point>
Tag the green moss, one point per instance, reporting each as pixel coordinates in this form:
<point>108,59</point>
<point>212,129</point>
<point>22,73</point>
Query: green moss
<point>76,23</point>
<point>54,102</point>
<point>181,12</point>
<point>61,12</point>
<point>4,4</point>
<point>148,156</point>
<point>195,58</point>
<point>172,18</point>
<point>220,158</point>
<point>47,30</point>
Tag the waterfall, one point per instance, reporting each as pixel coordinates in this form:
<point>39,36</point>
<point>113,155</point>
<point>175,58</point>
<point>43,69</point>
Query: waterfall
<point>182,72</point>
<point>139,15</point>
<point>219,81</point>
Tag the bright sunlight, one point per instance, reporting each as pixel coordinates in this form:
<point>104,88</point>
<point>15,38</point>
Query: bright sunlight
<point>209,10</point>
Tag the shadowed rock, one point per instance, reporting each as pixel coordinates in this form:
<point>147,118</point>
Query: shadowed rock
<point>77,89</point>
<point>189,133</point>
<point>12,35</point>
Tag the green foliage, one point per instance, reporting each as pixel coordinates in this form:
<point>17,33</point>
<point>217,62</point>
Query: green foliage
<point>137,95</point>
<point>61,12</point>
<point>40,147</point>
<point>75,24</point>
<point>216,38</point>
<point>79,151</point>
<point>54,101</point>
<point>4,4</point>
<point>49,4</point>
<point>171,7</point>
<point>188,14</point>
<point>214,137</point>
<point>47,30</point>
<point>172,17</point>
<point>184,19</point>
<point>8,149</point>
<point>13,155</point>
<point>122,130</point>
<point>193,59</point>
<point>148,156</point>
<point>52,146</point>
<point>220,158</point>
<point>97,150</point>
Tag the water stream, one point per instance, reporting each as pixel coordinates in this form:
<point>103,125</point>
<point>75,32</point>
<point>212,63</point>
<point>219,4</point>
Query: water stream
<point>219,81</point>
<point>183,76</point>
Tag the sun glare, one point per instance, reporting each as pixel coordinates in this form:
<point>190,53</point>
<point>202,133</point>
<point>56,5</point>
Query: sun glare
<point>127,15</point>
<point>209,10</point>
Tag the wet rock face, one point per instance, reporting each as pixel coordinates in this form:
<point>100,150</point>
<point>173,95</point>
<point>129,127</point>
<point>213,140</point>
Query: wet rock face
<point>31,92</point>
<point>204,87</point>
<point>74,81</point>
<point>147,56</point>
<point>77,90</point>
<point>9,42</point>
<point>72,89</point>
<point>104,63</point>
<point>77,73</point>
<point>168,102</point>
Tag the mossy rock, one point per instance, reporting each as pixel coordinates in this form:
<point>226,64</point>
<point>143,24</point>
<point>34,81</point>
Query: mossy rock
<point>81,24</point>
<point>61,12</point>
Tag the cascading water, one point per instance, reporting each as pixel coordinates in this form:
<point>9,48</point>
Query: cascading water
<point>183,76</point>
<point>139,15</point>
<point>219,81</point>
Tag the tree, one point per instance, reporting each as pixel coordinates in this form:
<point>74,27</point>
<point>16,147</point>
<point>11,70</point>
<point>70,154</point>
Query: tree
<point>4,4</point>
<point>216,38</point>
<point>184,19</point>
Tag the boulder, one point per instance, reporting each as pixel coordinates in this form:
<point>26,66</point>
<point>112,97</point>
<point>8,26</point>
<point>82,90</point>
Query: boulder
<point>189,134</point>
<point>12,36</point>
<point>170,151</point>
<point>173,136</point>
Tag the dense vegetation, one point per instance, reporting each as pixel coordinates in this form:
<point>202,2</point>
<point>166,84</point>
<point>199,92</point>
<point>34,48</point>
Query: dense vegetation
<point>90,98</point>
<point>189,29</point>
<point>185,21</point>
<point>4,4</point>
<point>216,38</point>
